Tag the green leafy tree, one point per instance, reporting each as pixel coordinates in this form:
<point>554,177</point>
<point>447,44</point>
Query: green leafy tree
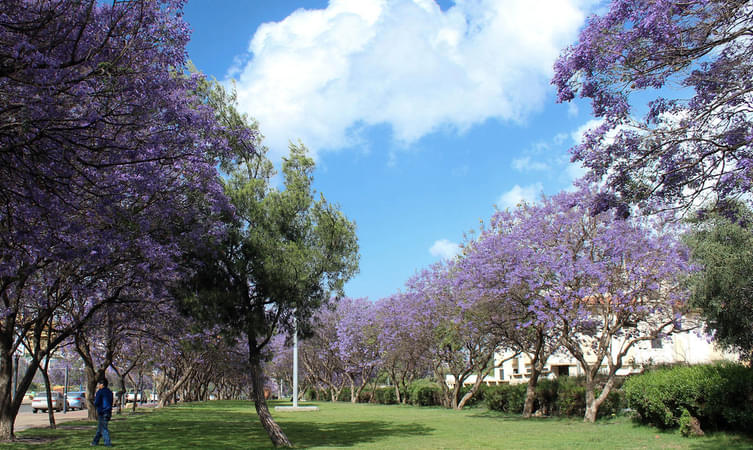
<point>285,253</point>
<point>723,245</point>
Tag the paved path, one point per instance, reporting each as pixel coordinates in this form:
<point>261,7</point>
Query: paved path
<point>25,420</point>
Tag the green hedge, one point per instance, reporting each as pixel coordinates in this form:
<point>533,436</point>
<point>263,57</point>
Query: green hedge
<point>720,396</point>
<point>563,396</point>
<point>385,395</point>
<point>424,393</point>
<point>508,398</point>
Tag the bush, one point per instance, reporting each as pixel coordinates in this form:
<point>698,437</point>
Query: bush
<point>718,395</point>
<point>546,395</point>
<point>385,396</point>
<point>424,393</point>
<point>310,394</point>
<point>344,395</point>
<point>613,405</point>
<point>571,397</point>
<point>508,398</point>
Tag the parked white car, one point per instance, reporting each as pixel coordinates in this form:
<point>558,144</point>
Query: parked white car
<point>39,403</point>
<point>76,400</point>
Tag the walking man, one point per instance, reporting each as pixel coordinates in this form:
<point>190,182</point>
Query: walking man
<point>103,403</point>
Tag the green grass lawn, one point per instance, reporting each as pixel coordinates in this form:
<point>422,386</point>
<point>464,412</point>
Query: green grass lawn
<point>235,425</point>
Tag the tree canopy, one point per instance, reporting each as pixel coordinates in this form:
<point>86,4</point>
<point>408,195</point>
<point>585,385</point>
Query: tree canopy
<point>285,255</point>
<point>686,148</point>
<point>723,289</point>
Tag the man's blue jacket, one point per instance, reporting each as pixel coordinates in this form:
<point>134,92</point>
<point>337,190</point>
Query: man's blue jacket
<point>103,402</point>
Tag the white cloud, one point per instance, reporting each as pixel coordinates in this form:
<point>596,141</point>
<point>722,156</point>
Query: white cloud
<point>318,75</point>
<point>517,194</point>
<point>577,135</point>
<point>573,171</point>
<point>572,109</point>
<point>444,249</point>
<point>525,164</point>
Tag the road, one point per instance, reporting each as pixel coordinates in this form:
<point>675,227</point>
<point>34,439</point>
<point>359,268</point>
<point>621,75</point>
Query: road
<point>26,408</point>
<point>28,419</point>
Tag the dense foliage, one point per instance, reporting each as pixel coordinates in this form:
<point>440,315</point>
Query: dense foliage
<point>561,273</point>
<point>714,394</point>
<point>693,143</point>
<point>723,247</point>
<point>108,168</point>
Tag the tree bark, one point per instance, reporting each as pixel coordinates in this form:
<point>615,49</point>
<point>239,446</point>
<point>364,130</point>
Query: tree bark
<point>170,393</point>
<point>278,437</point>
<point>7,410</point>
<point>48,388</point>
<point>592,401</point>
<point>10,402</point>
<point>531,392</point>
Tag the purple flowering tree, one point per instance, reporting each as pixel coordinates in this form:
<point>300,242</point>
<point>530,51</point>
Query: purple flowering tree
<point>404,342</point>
<point>604,283</point>
<point>108,164</point>
<point>320,355</point>
<point>497,273</point>
<point>358,343</point>
<point>693,144</point>
<point>464,334</point>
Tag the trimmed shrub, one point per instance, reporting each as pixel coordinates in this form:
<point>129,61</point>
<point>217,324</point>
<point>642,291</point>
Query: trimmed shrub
<point>719,395</point>
<point>310,394</point>
<point>344,395</point>
<point>424,393</point>
<point>571,397</point>
<point>508,398</point>
<point>546,395</point>
<point>385,395</point>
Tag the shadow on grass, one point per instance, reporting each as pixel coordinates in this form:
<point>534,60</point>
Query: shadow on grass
<point>347,434</point>
<point>173,429</point>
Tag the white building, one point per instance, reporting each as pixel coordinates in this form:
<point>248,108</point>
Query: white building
<point>689,347</point>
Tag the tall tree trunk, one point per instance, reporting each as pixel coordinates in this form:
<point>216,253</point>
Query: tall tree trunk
<point>92,375</point>
<point>540,356</point>
<point>591,411</point>
<point>468,395</point>
<point>531,391</point>
<point>7,411</point>
<point>10,401</point>
<point>592,402</point>
<point>279,439</point>
<point>48,388</point>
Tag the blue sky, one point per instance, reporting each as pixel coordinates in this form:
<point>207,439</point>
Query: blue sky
<point>422,115</point>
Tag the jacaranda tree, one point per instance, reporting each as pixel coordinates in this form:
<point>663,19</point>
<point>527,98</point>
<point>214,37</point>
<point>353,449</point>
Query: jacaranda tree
<point>462,331</point>
<point>496,273</point>
<point>108,164</point>
<point>404,343</point>
<point>358,343</point>
<point>694,59</point>
<point>602,282</point>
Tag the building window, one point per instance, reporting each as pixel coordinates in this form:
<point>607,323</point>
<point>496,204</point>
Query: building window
<point>657,343</point>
